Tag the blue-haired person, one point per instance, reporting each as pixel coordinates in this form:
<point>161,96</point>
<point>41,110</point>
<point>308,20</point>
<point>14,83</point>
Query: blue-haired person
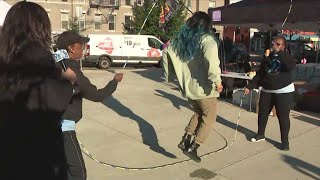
<point>192,58</point>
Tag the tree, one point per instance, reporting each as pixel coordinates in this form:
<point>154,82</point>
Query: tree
<point>152,26</point>
<point>74,25</point>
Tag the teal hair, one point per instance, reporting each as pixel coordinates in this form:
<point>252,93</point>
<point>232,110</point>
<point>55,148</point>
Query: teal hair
<point>187,42</point>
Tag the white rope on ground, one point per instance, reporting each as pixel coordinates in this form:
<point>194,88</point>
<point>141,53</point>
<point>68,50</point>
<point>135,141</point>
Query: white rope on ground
<point>226,146</point>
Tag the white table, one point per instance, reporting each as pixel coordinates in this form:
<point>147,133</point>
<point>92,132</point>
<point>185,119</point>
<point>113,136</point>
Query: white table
<point>238,76</point>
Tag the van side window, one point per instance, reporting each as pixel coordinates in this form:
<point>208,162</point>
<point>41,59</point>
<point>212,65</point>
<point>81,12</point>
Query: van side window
<point>154,43</point>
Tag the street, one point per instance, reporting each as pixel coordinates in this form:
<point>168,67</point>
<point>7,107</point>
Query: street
<point>134,134</point>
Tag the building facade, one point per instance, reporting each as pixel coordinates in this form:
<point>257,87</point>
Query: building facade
<point>110,19</point>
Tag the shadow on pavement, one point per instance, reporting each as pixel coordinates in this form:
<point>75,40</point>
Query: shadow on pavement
<point>309,120</point>
<point>155,74</point>
<point>177,102</point>
<point>302,166</point>
<point>247,132</point>
<point>148,133</point>
<point>203,174</point>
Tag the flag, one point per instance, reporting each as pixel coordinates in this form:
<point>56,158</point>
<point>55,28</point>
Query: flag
<point>167,9</point>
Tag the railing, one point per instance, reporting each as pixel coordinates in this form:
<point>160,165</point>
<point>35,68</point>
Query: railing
<point>104,3</point>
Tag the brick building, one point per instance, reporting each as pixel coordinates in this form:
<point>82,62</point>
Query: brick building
<point>109,20</point>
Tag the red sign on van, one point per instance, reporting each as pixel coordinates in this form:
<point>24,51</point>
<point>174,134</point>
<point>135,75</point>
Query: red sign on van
<point>106,45</point>
<point>153,53</point>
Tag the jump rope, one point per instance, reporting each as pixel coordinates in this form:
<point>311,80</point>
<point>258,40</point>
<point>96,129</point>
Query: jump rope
<point>226,146</point>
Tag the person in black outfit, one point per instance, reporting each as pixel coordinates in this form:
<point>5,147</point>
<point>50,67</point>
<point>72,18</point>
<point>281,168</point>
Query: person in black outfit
<point>33,96</point>
<point>73,43</point>
<point>275,77</point>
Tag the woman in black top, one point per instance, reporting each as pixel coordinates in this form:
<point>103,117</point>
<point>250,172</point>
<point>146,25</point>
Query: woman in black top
<point>33,97</point>
<point>275,78</point>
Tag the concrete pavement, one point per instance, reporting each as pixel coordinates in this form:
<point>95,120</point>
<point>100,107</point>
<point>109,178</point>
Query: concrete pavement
<point>141,125</point>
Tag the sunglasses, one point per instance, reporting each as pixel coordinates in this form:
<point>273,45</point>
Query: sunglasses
<point>274,43</point>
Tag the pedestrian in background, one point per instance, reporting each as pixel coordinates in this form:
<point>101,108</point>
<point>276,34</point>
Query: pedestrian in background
<point>275,78</point>
<point>33,96</point>
<point>192,57</point>
<point>74,43</point>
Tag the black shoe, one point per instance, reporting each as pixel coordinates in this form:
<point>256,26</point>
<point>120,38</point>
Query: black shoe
<point>191,152</point>
<point>285,147</point>
<point>258,138</point>
<point>185,141</point>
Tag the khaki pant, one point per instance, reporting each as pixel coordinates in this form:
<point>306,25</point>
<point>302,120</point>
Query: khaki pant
<point>205,114</point>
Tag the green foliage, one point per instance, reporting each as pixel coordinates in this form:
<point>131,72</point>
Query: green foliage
<point>74,25</point>
<point>152,26</point>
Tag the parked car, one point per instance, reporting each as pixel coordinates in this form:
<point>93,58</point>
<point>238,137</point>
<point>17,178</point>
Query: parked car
<point>300,51</point>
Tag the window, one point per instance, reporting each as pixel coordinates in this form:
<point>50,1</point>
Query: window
<point>128,3</point>
<point>97,22</point>
<point>139,2</point>
<point>127,22</point>
<point>154,43</point>
<point>82,21</point>
<point>112,22</point>
<point>113,2</point>
<point>64,0</point>
<point>64,20</point>
<point>189,4</point>
<point>212,3</point>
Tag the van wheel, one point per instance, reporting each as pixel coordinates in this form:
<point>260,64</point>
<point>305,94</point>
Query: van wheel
<point>104,63</point>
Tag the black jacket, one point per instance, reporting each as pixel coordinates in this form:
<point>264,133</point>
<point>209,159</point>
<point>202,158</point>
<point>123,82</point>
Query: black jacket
<point>87,90</point>
<point>278,81</point>
<point>32,99</point>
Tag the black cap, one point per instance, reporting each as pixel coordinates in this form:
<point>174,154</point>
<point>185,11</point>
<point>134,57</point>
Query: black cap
<point>68,38</point>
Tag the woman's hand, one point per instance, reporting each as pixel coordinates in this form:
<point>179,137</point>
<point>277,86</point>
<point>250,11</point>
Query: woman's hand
<point>70,75</point>
<point>219,87</point>
<point>118,77</point>
<point>246,91</point>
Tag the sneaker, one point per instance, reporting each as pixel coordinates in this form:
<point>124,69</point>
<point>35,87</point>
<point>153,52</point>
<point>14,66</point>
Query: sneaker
<point>258,138</point>
<point>285,147</point>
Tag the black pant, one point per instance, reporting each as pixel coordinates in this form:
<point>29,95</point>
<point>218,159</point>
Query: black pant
<point>76,167</point>
<point>282,103</point>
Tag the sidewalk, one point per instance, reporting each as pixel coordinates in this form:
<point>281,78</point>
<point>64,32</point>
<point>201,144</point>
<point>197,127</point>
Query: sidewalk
<point>141,125</point>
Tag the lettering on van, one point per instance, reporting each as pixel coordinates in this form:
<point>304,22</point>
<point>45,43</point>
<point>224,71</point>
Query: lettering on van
<point>106,45</point>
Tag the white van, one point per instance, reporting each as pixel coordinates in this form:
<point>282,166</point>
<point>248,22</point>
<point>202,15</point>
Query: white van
<point>105,49</point>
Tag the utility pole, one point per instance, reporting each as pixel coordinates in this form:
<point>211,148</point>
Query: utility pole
<point>164,15</point>
<point>197,5</point>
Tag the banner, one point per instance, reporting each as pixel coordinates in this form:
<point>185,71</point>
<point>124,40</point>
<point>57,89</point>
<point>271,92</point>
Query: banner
<point>168,7</point>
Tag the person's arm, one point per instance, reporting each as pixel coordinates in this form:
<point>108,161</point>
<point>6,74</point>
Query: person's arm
<point>87,89</point>
<point>91,92</point>
<point>210,49</point>
<point>287,61</point>
<point>259,74</point>
<point>167,66</point>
